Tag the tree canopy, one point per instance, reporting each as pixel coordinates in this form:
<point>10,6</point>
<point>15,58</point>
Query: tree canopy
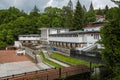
<point>111,40</point>
<point>78,21</point>
<point>14,22</point>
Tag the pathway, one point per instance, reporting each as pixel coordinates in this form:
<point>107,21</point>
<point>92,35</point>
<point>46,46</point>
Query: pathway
<point>9,69</point>
<point>54,60</point>
<point>11,64</point>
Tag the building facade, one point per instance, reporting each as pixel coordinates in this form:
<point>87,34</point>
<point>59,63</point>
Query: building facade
<point>81,39</point>
<point>29,39</point>
<point>45,32</point>
<point>63,39</point>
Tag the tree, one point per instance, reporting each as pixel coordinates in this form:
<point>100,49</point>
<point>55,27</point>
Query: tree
<point>90,16</point>
<point>91,7</point>
<point>78,21</point>
<point>84,8</point>
<point>99,12</point>
<point>106,11</point>
<point>111,41</point>
<point>70,5</point>
<point>35,11</point>
<point>2,44</point>
<point>54,15</point>
<point>10,14</point>
<point>111,13</point>
<point>67,15</point>
<point>14,22</point>
<point>116,2</point>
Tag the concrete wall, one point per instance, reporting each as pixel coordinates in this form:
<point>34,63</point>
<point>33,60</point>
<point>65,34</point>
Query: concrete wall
<point>66,39</point>
<point>92,28</point>
<point>28,38</point>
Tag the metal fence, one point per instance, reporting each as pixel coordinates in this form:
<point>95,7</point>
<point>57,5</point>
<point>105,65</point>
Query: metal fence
<point>94,57</point>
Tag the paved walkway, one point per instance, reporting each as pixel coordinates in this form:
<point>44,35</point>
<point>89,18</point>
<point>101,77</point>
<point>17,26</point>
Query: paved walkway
<point>56,61</point>
<point>11,64</point>
<point>8,69</point>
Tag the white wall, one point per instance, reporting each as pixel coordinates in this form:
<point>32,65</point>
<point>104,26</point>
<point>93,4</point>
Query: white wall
<point>44,33</point>
<point>53,31</point>
<point>17,44</point>
<point>66,39</point>
<point>92,28</point>
<point>28,38</point>
<point>64,30</point>
<point>92,38</point>
<point>57,31</point>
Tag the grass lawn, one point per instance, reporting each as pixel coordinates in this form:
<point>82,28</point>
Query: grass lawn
<point>71,60</point>
<point>49,62</point>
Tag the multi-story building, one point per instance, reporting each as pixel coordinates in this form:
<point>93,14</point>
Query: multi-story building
<point>29,39</point>
<point>81,39</point>
<point>45,32</point>
<point>64,40</point>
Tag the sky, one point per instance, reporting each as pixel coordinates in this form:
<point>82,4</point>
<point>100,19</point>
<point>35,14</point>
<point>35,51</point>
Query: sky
<point>27,5</point>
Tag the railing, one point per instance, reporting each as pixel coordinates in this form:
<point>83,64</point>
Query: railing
<point>94,57</point>
<point>88,48</point>
<point>31,52</point>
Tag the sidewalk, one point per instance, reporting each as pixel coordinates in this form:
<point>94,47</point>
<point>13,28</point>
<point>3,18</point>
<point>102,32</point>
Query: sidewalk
<point>56,61</point>
<point>9,69</point>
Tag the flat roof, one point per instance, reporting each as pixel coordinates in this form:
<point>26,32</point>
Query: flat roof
<point>77,32</point>
<point>51,28</point>
<point>36,35</point>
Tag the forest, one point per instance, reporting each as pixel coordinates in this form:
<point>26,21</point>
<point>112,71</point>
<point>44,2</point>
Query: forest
<point>14,22</point>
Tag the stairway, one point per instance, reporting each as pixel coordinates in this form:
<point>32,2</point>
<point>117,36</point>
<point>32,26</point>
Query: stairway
<point>88,48</point>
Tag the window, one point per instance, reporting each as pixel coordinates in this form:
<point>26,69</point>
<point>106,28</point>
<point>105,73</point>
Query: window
<point>29,41</point>
<point>96,36</point>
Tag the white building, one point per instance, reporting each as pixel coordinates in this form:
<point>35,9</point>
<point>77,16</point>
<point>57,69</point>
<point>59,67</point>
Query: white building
<point>29,39</point>
<point>64,40</point>
<point>82,40</point>
<point>74,39</point>
<point>45,32</point>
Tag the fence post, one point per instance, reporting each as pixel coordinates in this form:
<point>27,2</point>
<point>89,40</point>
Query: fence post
<point>47,76</point>
<point>90,69</point>
<point>13,76</point>
<point>90,66</point>
<point>59,72</point>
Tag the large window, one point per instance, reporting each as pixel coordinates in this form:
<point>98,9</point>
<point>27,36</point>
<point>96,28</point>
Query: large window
<point>96,36</point>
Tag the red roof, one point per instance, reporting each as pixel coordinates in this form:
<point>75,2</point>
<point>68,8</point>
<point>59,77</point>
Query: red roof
<point>95,24</point>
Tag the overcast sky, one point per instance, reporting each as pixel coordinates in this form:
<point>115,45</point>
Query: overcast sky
<point>27,5</point>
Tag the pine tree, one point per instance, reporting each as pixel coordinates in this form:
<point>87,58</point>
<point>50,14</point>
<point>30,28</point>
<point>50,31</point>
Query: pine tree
<point>91,7</point>
<point>106,11</point>
<point>70,5</point>
<point>67,15</point>
<point>106,8</point>
<point>84,8</point>
<point>35,11</point>
<point>116,2</point>
<point>99,12</point>
<point>78,17</point>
